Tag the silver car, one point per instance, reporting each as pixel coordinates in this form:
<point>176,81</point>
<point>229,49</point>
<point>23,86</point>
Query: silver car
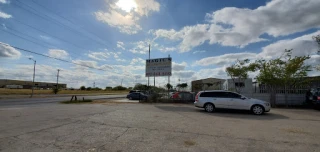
<point>210,100</point>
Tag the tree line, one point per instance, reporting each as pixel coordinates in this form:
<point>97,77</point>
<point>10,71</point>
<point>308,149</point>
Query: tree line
<point>284,71</point>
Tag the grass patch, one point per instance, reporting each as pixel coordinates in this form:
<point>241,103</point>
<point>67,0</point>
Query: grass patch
<point>294,130</point>
<point>189,143</point>
<point>76,101</point>
<point>28,92</point>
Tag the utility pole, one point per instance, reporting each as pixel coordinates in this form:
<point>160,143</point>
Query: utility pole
<point>58,78</point>
<point>94,84</point>
<point>149,60</point>
<point>34,72</point>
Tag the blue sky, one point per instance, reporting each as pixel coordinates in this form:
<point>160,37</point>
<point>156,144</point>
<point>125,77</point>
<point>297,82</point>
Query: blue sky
<point>203,37</point>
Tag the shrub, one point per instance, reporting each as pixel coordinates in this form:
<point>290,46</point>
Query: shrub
<point>82,88</point>
<point>55,90</point>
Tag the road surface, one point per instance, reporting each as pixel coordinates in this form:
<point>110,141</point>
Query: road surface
<point>32,101</point>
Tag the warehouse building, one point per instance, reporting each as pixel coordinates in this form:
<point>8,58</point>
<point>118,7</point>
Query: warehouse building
<point>18,84</point>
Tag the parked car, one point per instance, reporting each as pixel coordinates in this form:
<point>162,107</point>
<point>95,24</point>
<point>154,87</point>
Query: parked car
<point>210,100</point>
<point>183,96</point>
<point>137,95</point>
<point>314,97</point>
<point>131,91</point>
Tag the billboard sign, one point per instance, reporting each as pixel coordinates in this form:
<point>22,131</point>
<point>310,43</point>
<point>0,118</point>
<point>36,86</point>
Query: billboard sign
<point>159,67</point>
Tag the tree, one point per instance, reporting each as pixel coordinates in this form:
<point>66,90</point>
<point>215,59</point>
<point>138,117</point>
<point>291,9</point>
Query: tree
<point>82,88</point>
<point>119,88</point>
<point>108,88</point>
<point>55,90</point>
<point>140,86</point>
<point>89,88</point>
<point>284,71</point>
<point>317,39</point>
<point>239,72</point>
<point>182,86</point>
<point>168,86</point>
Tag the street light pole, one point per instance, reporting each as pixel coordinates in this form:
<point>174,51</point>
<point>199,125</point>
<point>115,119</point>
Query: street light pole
<point>34,72</point>
<point>58,78</point>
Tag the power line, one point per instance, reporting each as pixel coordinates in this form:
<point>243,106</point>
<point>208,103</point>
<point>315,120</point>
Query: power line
<point>53,57</point>
<point>51,11</point>
<point>24,38</point>
<point>62,40</point>
<point>49,45</point>
<point>61,24</point>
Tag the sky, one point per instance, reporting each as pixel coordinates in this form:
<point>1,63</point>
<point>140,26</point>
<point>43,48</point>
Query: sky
<point>203,37</point>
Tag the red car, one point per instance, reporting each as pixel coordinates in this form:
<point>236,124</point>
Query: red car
<point>183,95</point>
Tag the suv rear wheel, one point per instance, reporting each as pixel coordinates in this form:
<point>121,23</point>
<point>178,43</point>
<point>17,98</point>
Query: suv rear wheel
<point>209,107</point>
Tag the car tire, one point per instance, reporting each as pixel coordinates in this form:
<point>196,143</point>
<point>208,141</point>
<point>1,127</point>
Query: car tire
<point>209,107</point>
<point>257,110</point>
<point>130,98</point>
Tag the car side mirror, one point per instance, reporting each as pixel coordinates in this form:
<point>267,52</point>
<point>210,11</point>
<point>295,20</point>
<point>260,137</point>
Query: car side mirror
<point>243,98</point>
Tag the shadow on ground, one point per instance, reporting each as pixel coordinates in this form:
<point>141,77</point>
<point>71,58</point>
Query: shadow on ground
<point>176,108</point>
<point>243,114</point>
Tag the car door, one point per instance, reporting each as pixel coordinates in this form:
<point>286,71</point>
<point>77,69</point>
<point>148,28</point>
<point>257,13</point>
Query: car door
<point>236,102</point>
<point>135,95</point>
<point>220,99</point>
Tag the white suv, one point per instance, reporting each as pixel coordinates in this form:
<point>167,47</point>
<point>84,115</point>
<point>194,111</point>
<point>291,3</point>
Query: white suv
<point>209,100</point>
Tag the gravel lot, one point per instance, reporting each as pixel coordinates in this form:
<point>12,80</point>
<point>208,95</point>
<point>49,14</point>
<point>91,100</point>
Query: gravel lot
<point>155,127</point>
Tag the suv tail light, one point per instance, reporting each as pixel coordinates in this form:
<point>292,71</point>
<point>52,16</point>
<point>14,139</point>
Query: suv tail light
<point>197,97</point>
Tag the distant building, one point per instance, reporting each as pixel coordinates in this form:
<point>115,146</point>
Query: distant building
<point>245,85</point>
<point>309,83</point>
<point>221,84</point>
<point>207,84</point>
<point>28,84</point>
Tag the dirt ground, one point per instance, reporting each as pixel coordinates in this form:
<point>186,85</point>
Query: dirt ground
<point>155,127</point>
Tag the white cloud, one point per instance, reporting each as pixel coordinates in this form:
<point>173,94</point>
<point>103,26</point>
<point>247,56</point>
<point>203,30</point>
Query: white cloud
<point>239,27</point>
<point>184,74</point>
<point>136,61</point>
<point>4,15</point>
<point>225,59</point>
<point>144,7</point>
<point>61,54</point>
<point>195,52</point>
<point>7,51</point>
<point>101,56</point>
<point>44,37</point>
<point>303,45</point>
<point>4,26</point>
<point>120,45</point>
<point>121,60</point>
<point>127,22</point>
<point>179,67</point>
<point>4,1</point>
<point>167,49</point>
<point>140,47</point>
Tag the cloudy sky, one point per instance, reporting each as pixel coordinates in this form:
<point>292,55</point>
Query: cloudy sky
<point>203,37</point>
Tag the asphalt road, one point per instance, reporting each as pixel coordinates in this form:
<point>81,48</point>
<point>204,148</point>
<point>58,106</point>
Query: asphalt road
<point>48,100</point>
<point>122,127</point>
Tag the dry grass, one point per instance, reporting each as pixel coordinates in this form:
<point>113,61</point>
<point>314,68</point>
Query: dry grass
<point>294,130</point>
<point>28,92</point>
<point>76,101</point>
<point>189,143</point>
